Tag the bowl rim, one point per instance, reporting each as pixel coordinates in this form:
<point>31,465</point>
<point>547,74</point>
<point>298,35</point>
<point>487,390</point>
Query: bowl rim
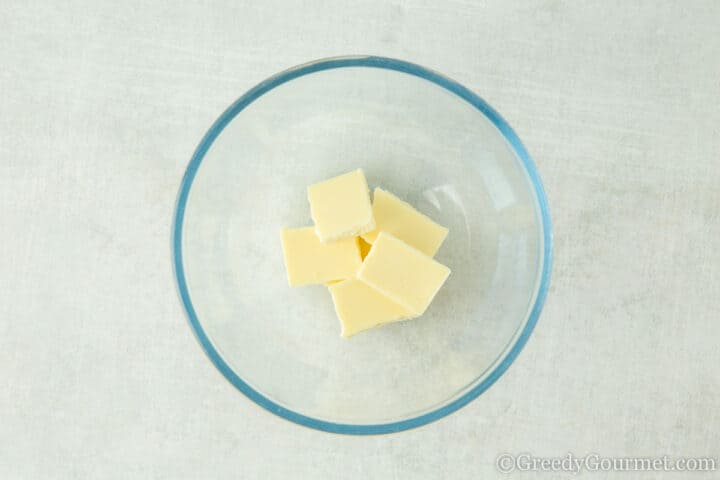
<point>370,62</point>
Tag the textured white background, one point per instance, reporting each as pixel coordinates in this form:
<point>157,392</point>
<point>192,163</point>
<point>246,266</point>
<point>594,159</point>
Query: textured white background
<point>101,106</point>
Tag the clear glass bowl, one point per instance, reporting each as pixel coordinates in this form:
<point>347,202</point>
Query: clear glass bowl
<point>417,134</point>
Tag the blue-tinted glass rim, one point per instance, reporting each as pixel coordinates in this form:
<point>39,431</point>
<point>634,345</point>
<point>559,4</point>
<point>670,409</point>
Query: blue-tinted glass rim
<point>370,62</point>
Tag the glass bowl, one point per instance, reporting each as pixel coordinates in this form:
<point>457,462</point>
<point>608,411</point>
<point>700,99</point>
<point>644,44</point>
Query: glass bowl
<point>415,133</point>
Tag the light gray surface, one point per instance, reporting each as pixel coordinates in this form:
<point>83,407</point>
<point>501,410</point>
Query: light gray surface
<point>101,105</point>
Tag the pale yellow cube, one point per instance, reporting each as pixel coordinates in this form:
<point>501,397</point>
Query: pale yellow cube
<point>340,207</point>
<point>402,273</point>
<point>310,261</point>
<point>359,307</point>
<point>401,220</point>
<point>364,250</point>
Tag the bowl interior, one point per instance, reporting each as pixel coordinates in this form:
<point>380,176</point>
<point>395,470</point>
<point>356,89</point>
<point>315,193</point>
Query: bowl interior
<point>413,138</point>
